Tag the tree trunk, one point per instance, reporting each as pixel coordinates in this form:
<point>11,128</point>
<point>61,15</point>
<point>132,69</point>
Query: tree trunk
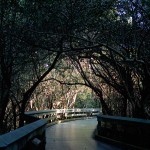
<point>124,107</point>
<point>6,74</point>
<point>137,110</point>
<point>29,92</point>
<point>4,100</point>
<point>105,109</point>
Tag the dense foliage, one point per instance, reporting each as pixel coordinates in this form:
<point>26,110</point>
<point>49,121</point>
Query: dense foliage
<point>52,52</point>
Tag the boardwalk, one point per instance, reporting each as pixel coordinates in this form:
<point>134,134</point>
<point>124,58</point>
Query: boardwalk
<point>75,135</point>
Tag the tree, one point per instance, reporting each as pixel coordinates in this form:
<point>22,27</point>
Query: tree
<point>112,37</point>
<point>20,51</point>
<point>120,60</point>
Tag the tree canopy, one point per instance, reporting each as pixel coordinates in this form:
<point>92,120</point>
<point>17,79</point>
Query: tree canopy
<point>55,48</point>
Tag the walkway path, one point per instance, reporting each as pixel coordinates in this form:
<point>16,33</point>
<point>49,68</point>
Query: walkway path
<point>75,135</point>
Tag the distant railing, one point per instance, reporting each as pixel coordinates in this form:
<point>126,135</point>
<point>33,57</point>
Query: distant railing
<point>64,114</point>
<point>32,135</point>
<point>131,132</point>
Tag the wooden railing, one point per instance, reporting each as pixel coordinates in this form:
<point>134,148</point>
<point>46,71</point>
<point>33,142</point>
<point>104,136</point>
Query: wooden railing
<point>29,136</point>
<point>32,135</point>
<point>57,115</point>
<point>130,132</point>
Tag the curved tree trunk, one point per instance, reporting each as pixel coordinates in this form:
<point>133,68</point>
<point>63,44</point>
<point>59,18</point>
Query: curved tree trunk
<point>6,75</point>
<point>29,92</point>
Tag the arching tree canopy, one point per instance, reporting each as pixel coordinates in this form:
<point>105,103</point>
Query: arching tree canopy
<point>49,45</point>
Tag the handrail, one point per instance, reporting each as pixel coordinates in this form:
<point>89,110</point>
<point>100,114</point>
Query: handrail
<point>33,133</point>
<point>134,132</point>
<point>55,115</point>
<point>124,119</point>
<point>19,138</point>
<point>63,111</point>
